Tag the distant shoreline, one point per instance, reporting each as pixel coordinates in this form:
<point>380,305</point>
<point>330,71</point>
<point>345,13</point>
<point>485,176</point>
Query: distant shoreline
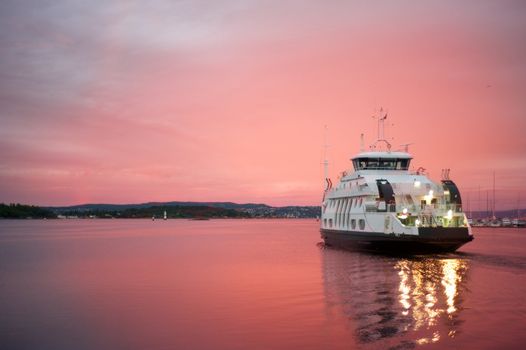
<point>172,210</point>
<point>156,219</point>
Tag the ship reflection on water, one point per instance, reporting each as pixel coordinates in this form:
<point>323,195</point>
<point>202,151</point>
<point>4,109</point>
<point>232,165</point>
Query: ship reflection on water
<point>396,303</point>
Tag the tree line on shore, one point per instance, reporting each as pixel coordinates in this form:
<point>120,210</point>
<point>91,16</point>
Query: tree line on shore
<point>153,209</point>
<point>21,211</point>
<point>172,212</point>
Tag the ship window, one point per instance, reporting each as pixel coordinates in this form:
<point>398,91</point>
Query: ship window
<point>381,163</point>
<point>373,163</point>
<point>362,224</point>
<point>363,163</point>
<point>330,222</point>
<point>353,224</point>
<point>387,164</point>
<point>402,164</point>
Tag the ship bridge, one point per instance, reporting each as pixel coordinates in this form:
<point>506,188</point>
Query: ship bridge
<point>381,161</point>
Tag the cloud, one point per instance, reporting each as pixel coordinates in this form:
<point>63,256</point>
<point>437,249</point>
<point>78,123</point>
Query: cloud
<point>226,100</point>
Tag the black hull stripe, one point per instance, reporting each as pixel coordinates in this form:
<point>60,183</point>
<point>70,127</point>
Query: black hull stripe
<point>429,239</point>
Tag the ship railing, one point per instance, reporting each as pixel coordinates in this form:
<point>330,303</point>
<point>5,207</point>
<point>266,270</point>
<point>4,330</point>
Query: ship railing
<point>440,221</point>
<point>410,208</point>
<point>434,207</point>
<point>429,218</point>
<point>456,208</point>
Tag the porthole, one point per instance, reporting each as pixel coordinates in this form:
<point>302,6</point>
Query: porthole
<point>362,224</point>
<point>353,224</point>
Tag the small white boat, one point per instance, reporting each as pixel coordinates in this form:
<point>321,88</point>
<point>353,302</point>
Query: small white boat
<point>495,223</point>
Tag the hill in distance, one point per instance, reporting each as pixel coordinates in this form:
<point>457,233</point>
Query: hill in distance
<point>186,209</point>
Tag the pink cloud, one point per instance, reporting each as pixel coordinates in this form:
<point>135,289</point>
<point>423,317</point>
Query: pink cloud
<point>229,103</point>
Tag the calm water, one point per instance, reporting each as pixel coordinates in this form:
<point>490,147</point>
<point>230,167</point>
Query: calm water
<point>250,284</point>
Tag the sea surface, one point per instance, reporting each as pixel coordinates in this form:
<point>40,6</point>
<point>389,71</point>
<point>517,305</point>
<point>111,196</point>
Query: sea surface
<point>250,284</point>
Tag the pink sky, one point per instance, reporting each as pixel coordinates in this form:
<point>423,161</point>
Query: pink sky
<point>124,101</point>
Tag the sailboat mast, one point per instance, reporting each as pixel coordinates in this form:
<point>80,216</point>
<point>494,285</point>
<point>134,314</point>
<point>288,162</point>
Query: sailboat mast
<point>493,206</point>
<point>518,205</point>
<point>469,207</point>
<point>487,204</point>
<point>479,204</point>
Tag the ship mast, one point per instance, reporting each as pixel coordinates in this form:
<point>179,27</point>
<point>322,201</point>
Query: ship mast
<point>381,130</point>
<point>381,125</point>
<point>325,162</point>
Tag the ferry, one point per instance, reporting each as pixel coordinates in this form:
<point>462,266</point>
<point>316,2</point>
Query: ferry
<point>382,205</point>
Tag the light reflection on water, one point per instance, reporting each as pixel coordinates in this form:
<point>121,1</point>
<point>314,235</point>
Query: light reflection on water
<point>396,303</point>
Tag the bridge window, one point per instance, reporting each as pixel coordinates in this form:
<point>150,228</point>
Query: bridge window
<point>381,163</point>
